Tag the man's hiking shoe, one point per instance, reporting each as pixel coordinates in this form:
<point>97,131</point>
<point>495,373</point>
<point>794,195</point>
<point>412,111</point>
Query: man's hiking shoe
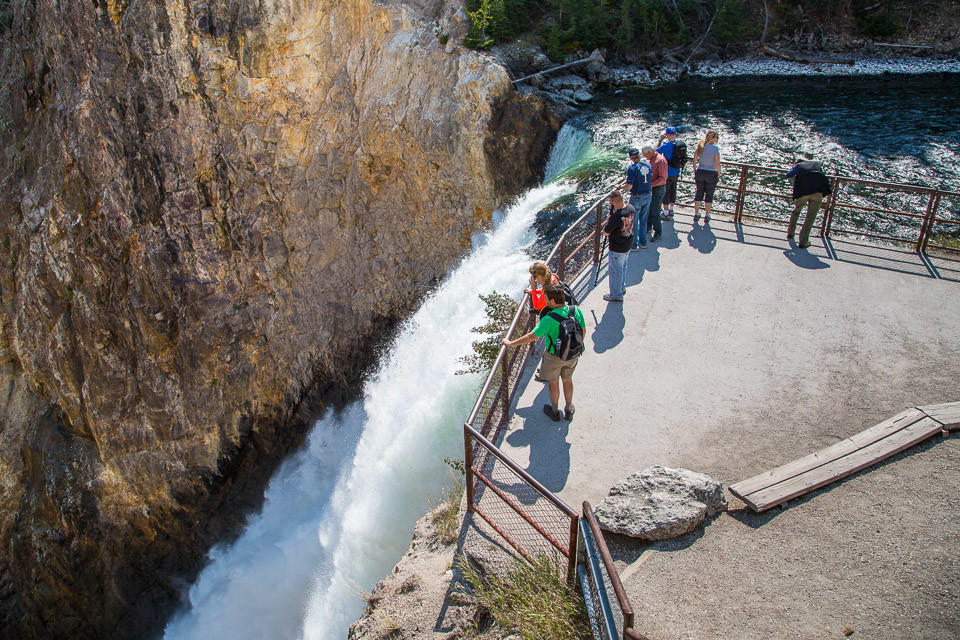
<point>568,412</point>
<point>803,245</point>
<point>610,298</point>
<point>553,413</point>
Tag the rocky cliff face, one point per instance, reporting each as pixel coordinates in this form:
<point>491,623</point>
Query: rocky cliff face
<point>209,212</point>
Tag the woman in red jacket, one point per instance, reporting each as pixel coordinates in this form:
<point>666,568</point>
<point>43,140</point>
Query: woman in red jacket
<point>540,275</point>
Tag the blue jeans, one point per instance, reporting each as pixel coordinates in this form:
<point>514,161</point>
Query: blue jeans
<point>641,203</point>
<point>655,200</point>
<point>617,266</point>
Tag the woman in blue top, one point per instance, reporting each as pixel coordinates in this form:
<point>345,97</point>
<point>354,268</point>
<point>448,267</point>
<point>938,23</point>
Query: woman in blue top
<point>706,173</point>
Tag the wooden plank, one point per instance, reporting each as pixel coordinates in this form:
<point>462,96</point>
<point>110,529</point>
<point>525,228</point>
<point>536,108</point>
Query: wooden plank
<point>946,413</point>
<point>843,467</point>
<point>824,456</point>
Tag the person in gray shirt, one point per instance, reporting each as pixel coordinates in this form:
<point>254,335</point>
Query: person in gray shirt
<point>706,173</point>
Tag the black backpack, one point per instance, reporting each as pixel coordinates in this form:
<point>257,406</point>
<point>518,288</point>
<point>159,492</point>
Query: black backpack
<point>568,297</point>
<point>569,343</point>
<point>679,157</point>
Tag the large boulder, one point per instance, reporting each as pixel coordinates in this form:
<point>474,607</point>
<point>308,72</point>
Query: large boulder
<point>660,503</point>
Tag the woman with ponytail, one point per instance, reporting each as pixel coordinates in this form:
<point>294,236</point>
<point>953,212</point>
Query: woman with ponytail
<point>706,166</point>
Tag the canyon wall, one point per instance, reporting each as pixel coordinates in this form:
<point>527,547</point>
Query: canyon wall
<point>209,214</point>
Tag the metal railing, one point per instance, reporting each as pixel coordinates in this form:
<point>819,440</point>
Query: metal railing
<point>610,619</point>
<point>858,207</point>
<point>515,505</point>
<point>524,513</point>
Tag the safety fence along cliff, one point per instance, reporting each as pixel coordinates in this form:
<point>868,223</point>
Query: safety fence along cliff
<point>923,217</point>
<point>528,516</point>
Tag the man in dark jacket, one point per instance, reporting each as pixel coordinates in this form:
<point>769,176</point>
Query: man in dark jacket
<point>618,228</point>
<point>810,187</point>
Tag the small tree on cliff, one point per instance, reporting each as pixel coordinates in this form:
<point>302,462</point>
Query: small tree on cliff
<point>500,310</point>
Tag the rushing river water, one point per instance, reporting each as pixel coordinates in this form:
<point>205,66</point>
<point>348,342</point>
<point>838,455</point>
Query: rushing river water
<point>339,513</point>
<point>899,129</point>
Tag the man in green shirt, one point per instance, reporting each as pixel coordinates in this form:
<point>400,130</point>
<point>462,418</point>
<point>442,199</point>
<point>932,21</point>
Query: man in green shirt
<point>552,368</point>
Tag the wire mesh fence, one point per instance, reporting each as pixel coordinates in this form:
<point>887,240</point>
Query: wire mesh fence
<point>525,514</point>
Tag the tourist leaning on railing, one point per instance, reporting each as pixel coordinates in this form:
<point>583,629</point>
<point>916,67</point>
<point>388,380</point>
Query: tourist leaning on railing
<point>810,187</point>
<point>553,366</point>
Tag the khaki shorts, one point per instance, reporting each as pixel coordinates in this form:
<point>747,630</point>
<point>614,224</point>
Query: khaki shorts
<point>552,367</point>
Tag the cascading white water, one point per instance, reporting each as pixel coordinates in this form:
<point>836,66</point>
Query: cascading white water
<point>338,515</point>
<point>571,145</point>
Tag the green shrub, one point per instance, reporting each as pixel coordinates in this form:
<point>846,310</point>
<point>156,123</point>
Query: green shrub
<point>533,600</point>
<point>489,24</point>
<point>6,15</point>
<point>446,515</point>
<point>728,23</point>
<point>500,310</point>
<point>883,24</point>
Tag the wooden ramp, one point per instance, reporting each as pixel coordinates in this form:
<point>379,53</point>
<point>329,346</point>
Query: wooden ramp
<point>877,443</point>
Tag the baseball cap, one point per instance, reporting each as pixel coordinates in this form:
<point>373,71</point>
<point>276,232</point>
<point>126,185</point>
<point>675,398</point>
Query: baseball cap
<point>633,151</point>
<point>671,130</point>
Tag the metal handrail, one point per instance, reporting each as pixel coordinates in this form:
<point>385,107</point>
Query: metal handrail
<point>626,609</point>
<point>927,219</point>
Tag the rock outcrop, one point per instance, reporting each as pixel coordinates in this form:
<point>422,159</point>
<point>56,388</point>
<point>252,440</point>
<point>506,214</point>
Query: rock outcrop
<point>209,213</point>
<point>660,503</point>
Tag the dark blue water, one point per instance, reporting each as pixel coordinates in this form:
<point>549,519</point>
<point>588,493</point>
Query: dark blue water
<point>898,129</point>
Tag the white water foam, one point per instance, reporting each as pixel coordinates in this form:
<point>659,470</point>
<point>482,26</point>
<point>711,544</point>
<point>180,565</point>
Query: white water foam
<point>339,514</point>
<point>571,145</point>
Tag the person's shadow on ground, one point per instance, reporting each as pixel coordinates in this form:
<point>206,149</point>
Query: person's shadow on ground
<point>701,237</point>
<point>549,449</point>
<point>670,239</point>
<point>608,332</point>
<point>640,261</point>
<point>803,258</point>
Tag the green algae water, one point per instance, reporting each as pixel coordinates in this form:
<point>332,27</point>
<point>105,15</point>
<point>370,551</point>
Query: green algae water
<point>898,129</point>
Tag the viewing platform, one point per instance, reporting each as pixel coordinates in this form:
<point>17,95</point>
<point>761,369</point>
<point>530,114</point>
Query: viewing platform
<point>734,352</point>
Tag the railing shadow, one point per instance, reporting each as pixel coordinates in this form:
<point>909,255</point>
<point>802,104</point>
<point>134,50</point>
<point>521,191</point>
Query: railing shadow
<point>549,451</point>
<point>848,249</point>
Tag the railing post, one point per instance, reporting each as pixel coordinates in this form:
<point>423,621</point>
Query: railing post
<point>926,227</point>
<point>572,550</point>
<point>596,236</point>
<point>561,268</point>
<point>468,468</point>
<point>828,210</point>
<point>505,390</point>
<point>741,195</point>
<point>828,216</point>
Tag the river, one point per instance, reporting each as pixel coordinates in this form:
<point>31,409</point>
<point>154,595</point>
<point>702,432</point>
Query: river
<point>339,513</point>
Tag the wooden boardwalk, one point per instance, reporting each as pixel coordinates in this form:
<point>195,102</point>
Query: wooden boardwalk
<point>848,456</point>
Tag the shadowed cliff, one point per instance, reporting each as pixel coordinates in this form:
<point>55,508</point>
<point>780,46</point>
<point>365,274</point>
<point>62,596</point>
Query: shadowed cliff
<point>209,213</point>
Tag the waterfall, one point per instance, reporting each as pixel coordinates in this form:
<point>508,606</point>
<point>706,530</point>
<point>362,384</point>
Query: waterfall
<point>339,513</point>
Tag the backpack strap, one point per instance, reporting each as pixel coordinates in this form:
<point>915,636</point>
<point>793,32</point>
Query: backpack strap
<point>559,318</point>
